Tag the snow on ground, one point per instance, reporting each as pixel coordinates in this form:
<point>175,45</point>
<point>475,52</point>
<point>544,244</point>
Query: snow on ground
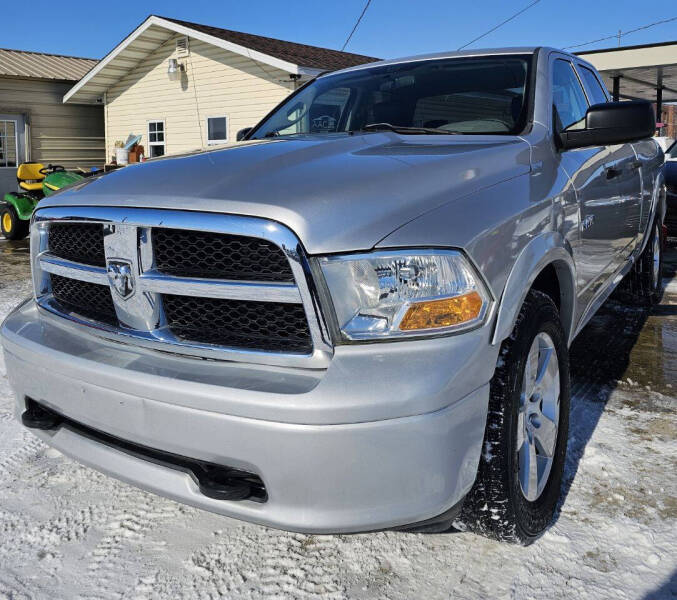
<point>67,531</point>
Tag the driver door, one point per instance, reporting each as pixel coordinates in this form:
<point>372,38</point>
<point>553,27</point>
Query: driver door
<point>593,172</point>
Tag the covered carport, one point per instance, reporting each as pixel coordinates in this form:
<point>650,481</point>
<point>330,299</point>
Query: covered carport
<point>646,72</point>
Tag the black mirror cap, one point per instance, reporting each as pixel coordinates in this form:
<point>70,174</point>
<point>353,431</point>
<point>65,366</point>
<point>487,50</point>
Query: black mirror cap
<point>612,123</point>
<point>243,133</point>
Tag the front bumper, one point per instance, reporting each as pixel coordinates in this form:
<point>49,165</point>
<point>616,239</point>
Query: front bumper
<point>388,435</point>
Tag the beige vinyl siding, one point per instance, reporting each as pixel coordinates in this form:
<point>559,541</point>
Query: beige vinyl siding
<point>71,135</point>
<point>216,83</point>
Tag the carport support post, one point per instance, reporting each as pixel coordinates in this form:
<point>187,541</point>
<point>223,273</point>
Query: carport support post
<point>617,88</point>
<point>659,104</point>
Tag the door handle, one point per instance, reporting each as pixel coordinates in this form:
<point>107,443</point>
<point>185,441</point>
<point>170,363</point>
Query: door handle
<point>612,172</point>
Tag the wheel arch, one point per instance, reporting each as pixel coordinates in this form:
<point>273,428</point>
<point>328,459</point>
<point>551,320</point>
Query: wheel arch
<point>545,264</point>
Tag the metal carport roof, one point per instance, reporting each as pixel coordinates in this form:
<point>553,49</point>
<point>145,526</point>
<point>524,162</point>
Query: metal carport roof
<point>646,72</point>
<point>40,65</point>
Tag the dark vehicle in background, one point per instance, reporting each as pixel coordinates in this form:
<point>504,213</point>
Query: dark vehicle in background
<point>671,184</point>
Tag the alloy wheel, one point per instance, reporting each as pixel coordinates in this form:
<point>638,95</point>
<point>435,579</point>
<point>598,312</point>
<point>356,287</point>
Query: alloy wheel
<point>656,257</point>
<point>538,417</point>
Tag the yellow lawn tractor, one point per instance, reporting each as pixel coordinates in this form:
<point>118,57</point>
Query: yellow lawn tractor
<point>36,181</point>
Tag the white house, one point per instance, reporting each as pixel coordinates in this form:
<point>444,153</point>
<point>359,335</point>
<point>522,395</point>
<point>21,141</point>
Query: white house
<point>184,86</point>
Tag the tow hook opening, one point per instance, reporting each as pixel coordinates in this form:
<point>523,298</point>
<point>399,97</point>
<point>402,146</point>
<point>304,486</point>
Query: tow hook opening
<point>39,417</point>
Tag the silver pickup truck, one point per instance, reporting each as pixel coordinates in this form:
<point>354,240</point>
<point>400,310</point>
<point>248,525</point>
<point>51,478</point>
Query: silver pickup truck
<point>357,317</point>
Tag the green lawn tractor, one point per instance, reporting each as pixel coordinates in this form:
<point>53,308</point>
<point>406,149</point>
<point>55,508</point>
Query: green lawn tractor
<point>36,181</point>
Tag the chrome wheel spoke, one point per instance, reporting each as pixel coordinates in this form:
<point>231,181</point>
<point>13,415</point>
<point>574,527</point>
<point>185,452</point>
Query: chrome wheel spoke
<point>545,435</point>
<point>530,372</point>
<point>528,469</point>
<point>521,428</point>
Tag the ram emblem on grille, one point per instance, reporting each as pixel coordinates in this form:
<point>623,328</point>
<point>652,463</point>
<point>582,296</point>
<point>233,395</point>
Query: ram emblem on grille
<point>120,277</point>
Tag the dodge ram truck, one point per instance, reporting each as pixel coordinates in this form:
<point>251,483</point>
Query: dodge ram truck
<point>358,316</point>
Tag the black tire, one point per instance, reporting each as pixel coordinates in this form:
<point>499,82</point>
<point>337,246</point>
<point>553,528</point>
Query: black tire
<point>11,226</point>
<point>645,284</point>
<point>496,506</point>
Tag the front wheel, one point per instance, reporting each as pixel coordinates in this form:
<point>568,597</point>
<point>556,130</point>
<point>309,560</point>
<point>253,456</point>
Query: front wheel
<point>11,226</point>
<point>520,472</point>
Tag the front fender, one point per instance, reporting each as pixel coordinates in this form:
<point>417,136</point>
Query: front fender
<point>549,248</point>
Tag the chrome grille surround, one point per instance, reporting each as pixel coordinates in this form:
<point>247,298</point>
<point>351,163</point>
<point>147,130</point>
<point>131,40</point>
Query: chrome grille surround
<point>127,237</point>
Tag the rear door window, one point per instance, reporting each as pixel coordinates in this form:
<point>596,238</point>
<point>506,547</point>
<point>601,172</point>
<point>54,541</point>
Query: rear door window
<point>593,87</point>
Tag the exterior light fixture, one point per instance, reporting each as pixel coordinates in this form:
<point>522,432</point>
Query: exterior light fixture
<point>174,69</point>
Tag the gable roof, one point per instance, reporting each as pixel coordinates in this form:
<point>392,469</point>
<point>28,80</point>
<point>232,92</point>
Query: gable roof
<point>293,58</point>
<point>40,65</point>
<point>300,54</point>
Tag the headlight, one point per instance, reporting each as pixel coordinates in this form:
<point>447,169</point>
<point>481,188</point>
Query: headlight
<point>404,293</point>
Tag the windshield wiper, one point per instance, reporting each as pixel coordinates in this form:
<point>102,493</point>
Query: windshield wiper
<point>405,130</point>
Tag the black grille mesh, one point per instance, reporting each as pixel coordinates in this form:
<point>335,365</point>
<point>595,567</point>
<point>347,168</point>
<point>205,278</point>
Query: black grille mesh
<point>86,299</point>
<point>266,326</point>
<point>80,242</point>
<point>220,256</point>
<point>239,324</point>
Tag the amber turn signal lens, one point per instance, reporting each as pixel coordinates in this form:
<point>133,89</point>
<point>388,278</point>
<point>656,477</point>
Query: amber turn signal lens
<point>442,313</point>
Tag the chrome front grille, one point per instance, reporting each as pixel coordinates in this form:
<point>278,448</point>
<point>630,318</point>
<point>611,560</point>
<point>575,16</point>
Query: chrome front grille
<point>206,254</point>
<point>90,300</point>
<point>78,242</point>
<point>239,323</point>
<point>207,285</point>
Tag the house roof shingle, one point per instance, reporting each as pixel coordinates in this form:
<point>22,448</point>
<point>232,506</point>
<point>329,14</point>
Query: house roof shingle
<point>300,54</point>
<point>39,65</point>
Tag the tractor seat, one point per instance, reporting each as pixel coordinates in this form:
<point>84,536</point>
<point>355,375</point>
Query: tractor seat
<point>30,187</point>
<point>29,177</point>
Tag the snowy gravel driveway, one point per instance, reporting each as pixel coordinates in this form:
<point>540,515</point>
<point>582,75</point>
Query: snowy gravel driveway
<point>69,532</point>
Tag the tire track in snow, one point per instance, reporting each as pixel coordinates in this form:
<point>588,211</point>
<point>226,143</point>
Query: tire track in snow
<point>125,529</point>
<point>249,562</point>
<point>15,461</point>
<point>69,525</point>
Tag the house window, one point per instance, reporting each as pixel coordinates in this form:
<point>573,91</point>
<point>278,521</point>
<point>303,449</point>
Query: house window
<point>156,138</point>
<point>217,130</point>
<point>8,144</point>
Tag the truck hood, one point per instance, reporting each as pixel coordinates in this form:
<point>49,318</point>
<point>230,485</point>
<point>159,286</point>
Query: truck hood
<point>336,192</point>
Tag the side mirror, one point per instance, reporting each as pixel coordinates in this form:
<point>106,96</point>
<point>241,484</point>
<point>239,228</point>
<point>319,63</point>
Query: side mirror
<point>612,123</point>
<point>243,133</point>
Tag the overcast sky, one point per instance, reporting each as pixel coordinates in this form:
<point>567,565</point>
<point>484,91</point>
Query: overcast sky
<point>389,29</point>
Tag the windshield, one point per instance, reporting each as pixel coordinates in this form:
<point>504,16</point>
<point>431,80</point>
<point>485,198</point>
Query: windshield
<point>474,95</point>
